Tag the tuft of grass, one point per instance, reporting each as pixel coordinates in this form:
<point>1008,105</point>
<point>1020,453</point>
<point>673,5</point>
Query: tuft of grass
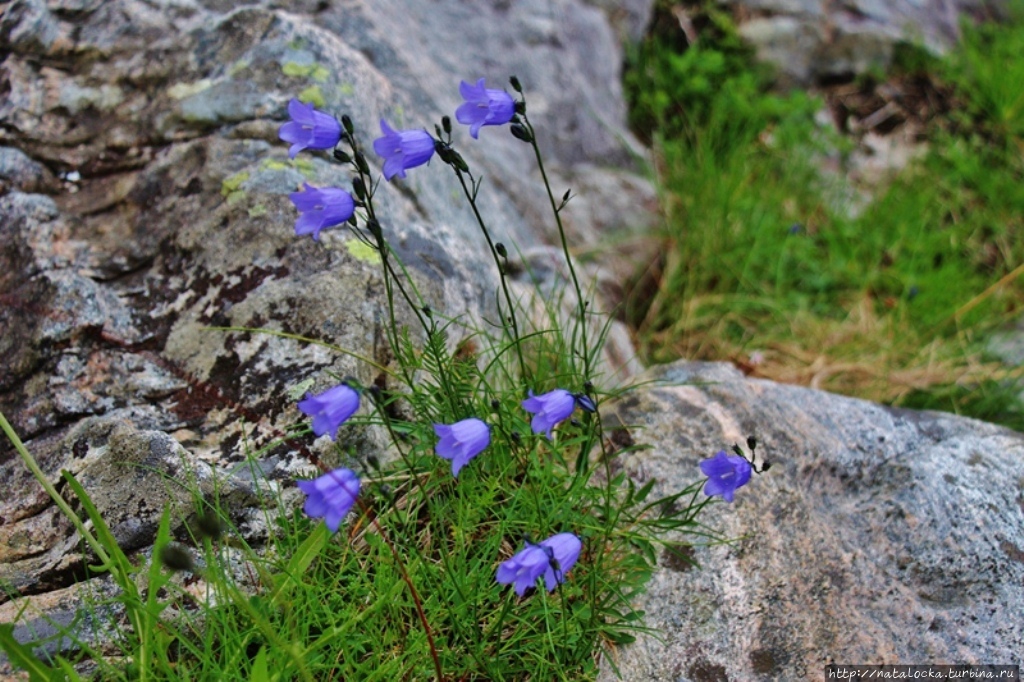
<point>767,263</point>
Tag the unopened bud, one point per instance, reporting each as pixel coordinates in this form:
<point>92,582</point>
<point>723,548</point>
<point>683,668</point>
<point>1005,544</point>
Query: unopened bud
<point>341,156</point>
<point>359,188</point>
<point>374,227</point>
<point>585,402</point>
<point>516,85</point>
<point>446,123</point>
<point>208,524</point>
<point>346,123</point>
<point>176,558</point>
<point>520,132</point>
<point>361,163</point>
<point>500,248</point>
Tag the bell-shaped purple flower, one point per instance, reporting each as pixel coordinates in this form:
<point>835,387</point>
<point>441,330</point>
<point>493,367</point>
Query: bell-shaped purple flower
<point>402,149</point>
<point>330,409</point>
<point>462,441</point>
<point>725,474</point>
<point>321,207</point>
<point>484,107</point>
<point>548,409</point>
<point>552,558</point>
<point>330,496</point>
<point>309,129</point>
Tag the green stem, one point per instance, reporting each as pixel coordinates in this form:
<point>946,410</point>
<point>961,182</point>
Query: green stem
<point>501,272</point>
<point>556,209</point>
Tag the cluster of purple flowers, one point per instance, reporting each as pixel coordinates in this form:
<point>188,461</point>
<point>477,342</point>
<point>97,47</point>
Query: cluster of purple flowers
<point>332,495</point>
<point>320,208</point>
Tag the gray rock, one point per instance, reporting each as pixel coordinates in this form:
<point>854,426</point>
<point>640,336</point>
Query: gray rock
<point>879,535</point>
<point>813,40</point>
<point>143,197</point>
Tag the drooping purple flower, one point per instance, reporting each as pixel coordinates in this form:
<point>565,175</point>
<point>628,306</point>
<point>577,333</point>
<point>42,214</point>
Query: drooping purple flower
<point>725,474</point>
<point>330,409</point>
<point>330,496</point>
<point>483,107</point>
<point>309,129</point>
<point>548,409</point>
<point>402,149</point>
<point>462,441</point>
<point>552,558</point>
<point>321,207</point>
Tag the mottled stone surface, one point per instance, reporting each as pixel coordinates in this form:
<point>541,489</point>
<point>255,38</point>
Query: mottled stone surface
<point>143,202</point>
<point>877,536</point>
<point>811,41</point>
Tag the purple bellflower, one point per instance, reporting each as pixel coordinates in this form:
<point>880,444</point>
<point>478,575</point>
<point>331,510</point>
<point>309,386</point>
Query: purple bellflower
<point>309,129</point>
<point>462,441</point>
<point>402,149</point>
<point>725,474</point>
<point>321,207</point>
<point>330,496</point>
<point>552,558</point>
<point>484,107</point>
<point>330,409</point>
<point>548,409</point>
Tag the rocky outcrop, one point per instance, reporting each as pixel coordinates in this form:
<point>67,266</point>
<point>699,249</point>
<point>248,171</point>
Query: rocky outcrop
<point>144,205</point>
<point>815,41</point>
<point>878,535</point>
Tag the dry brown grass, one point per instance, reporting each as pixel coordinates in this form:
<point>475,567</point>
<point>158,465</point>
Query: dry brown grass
<point>862,353</point>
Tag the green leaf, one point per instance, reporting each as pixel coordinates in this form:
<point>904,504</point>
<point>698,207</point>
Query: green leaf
<point>309,550</point>
<point>22,656</point>
<point>259,672</point>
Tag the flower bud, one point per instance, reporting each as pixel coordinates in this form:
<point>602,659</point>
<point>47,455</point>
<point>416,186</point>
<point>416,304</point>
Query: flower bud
<point>446,123</point>
<point>359,189</point>
<point>751,443</point>
<point>177,558</point>
<point>374,227</point>
<point>516,85</point>
<point>208,524</point>
<point>341,156</point>
<point>500,248</point>
<point>585,402</point>
<point>346,123</point>
<point>361,163</point>
<point>520,132</point>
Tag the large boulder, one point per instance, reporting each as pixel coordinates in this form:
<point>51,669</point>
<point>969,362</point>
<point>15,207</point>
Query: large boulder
<point>877,536</point>
<point>814,41</point>
<point>144,202</point>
